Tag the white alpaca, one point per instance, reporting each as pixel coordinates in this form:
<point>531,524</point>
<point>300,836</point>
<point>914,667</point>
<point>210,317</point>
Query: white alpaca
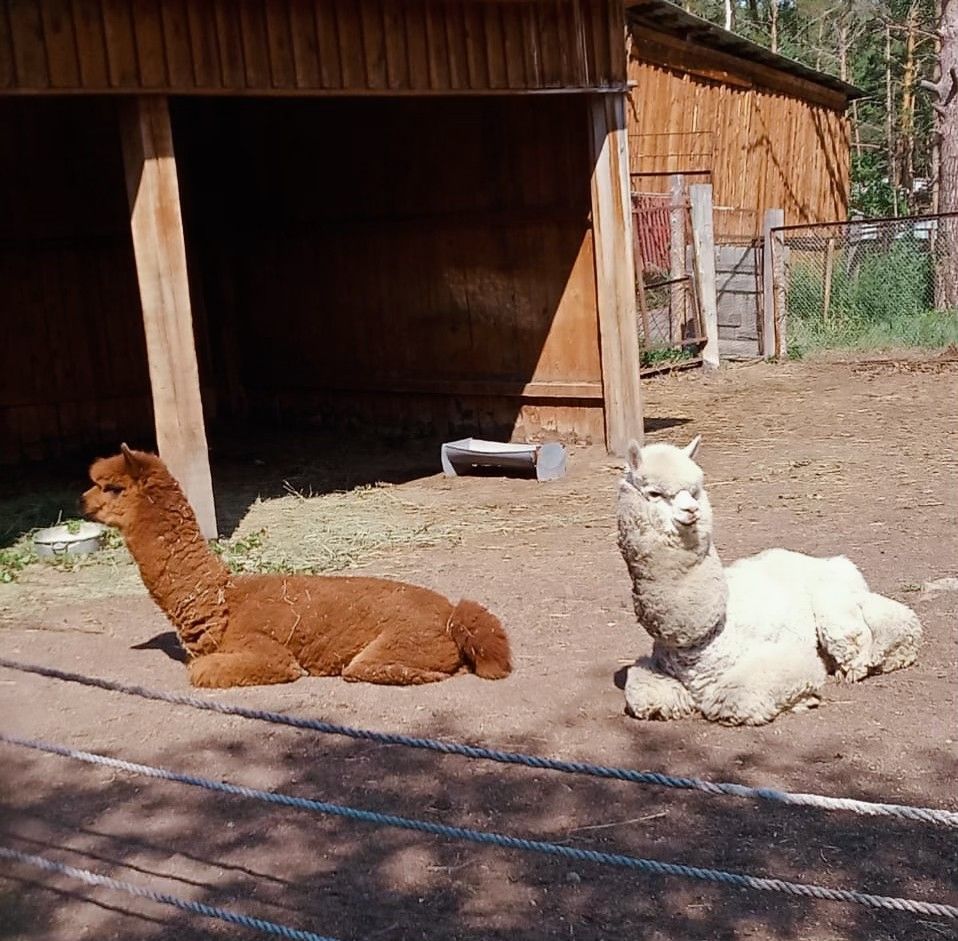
<point>739,645</point>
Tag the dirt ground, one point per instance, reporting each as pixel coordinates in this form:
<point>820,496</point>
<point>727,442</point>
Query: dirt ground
<point>823,457</point>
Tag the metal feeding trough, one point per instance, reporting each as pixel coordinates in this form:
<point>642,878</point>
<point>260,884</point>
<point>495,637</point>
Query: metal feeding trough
<point>68,540</point>
<point>547,460</point>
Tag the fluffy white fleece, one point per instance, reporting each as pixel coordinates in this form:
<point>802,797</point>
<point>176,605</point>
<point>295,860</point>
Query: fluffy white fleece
<point>739,645</point>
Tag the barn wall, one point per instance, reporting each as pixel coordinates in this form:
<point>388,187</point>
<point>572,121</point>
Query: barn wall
<point>73,370</point>
<point>762,138</point>
<point>310,46</point>
<point>424,264</point>
<point>418,261</point>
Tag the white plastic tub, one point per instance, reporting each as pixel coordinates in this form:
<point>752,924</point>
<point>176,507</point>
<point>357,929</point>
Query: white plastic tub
<point>547,460</point>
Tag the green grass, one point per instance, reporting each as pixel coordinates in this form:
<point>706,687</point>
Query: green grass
<point>251,554</point>
<point>886,301</point>
<point>658,356</point>
<point>20,554</point>
<point>14,559</point>
<point>927,329</point>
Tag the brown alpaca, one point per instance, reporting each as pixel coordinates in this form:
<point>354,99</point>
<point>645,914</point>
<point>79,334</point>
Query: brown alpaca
<point>253,629</point>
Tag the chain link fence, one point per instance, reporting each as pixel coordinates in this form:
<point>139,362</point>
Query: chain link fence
<point>864,284</point>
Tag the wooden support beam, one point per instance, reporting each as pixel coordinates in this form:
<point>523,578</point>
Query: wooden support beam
<point>615,273</point>
<point>160,251</point>
<point>703,245</point>
<point>779,269</point>
<point>772,247</point>
<point>679,289</point>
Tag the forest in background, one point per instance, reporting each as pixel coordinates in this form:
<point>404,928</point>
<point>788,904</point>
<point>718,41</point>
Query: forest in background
<point>885,48</point>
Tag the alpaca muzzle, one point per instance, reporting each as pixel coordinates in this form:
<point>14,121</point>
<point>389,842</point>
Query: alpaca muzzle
<point>686,509</point>
<point>88,504</point>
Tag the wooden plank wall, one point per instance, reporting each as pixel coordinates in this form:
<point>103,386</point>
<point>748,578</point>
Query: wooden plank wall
<point>73,371</point>
<point>389,250</point>
<point>425,264</point>
<point>762,138</point>
<point>309,46</point>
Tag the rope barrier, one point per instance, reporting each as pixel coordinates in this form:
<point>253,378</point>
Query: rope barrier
<point>488,838</point>
<point>931,815</point>
<point>197,908</point>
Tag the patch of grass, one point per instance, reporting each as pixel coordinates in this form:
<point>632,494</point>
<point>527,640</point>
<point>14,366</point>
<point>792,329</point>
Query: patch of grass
<point>658,356</point>
<point>14,559</point>
<point>253,552</point>
<point>21,555</point>
<point>885,300</point>
<point>928,329</point>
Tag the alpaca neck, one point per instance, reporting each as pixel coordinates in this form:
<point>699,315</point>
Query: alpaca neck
<point>180,572</point>
<point>678,586</point>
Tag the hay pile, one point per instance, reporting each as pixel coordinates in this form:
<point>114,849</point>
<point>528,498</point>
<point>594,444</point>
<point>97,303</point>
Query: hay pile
<point>348,529</point>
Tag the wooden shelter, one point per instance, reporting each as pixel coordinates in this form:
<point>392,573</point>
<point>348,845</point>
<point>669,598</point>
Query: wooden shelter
<point>410,212</point>
<point>764,130</point>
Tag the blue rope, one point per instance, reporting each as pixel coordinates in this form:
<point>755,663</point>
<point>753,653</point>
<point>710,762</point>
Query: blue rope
<point>198,908</point>
<point>946,818</point>
<point>489,838</point>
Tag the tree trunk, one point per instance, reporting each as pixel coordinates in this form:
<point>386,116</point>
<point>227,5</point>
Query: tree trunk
<point>842,51</point>
<point>946,287</point>
<point>907,126</point>
<point>773,24</point>
<point>936,146</point>
<point>890,124</point>
<point>729,15</point>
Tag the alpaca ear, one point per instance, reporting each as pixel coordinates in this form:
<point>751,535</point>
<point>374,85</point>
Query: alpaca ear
<point>133,464</point>
<point>634,455</point>
<point>693,446</point>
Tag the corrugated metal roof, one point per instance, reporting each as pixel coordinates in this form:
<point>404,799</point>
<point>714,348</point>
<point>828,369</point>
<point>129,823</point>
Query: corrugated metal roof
<point>666,17</point>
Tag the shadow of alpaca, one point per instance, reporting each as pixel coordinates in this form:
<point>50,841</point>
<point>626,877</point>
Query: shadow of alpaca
<point>168,642</point>
<point>620,676</point>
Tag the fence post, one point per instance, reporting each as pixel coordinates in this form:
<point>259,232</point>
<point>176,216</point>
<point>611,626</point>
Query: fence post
<point>771,256</point>
<point>703,251</point>
<point>827,285</point>
<point>678,291</point>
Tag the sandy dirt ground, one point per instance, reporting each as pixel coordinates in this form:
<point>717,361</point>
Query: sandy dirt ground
<point>827,457</point>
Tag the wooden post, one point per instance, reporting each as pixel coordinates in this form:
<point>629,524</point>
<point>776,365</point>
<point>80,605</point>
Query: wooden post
<point>677,299</point>
<point>703,251</point>
<point>779,256</point>
<point>615,272</point>
<point>773,219</point>
<point>160,251</point>
<point>827,285</point>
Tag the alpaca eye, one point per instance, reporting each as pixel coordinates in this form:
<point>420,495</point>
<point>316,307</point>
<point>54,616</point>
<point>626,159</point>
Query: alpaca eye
<point>654,494</point>
<point>113,488</point>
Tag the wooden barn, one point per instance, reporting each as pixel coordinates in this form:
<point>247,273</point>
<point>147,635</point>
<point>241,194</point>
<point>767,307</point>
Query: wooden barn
<point>764,130</point>
<point>406,212</point>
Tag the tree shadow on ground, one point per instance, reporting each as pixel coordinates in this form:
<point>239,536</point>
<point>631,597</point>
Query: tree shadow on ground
<point>353,880</point>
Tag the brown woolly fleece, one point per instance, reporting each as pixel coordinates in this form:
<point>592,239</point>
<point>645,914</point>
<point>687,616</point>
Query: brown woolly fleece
<point>255,629</point>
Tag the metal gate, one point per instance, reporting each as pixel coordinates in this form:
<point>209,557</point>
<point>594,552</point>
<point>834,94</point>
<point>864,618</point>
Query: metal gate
<point>669,320</point>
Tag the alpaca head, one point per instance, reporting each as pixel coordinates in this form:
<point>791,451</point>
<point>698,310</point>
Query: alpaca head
<point>666,494</point>
<point>118,484</point>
